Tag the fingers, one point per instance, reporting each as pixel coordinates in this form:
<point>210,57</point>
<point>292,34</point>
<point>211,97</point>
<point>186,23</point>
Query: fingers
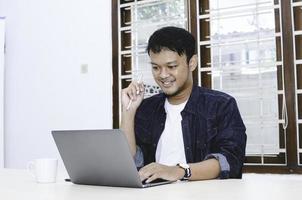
<point>150,172</point>
<point>146,171</point>
<point>134,90</point>
<point>155,170</point>
<point>139,87</point>
<point>132,95</point>
<point>153,177</point>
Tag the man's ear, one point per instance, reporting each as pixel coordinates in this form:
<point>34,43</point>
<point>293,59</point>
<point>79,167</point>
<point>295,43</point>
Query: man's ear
<point>193,62</point>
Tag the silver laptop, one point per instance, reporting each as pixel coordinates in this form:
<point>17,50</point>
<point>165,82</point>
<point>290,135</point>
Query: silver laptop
<point>99,157</point>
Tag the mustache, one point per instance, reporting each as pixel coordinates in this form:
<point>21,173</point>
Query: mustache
<point>166,79</point>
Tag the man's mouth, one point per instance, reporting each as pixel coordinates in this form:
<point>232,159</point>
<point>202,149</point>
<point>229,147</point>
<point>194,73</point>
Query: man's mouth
<point>167,83</point>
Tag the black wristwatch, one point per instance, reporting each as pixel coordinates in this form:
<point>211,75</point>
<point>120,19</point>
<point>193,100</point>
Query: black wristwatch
<point>187,169</point>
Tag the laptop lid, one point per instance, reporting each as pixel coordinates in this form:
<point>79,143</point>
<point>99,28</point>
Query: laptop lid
<point>98,157</point>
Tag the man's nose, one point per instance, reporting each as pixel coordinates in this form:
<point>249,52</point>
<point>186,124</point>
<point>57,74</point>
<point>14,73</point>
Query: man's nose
<point>164,73</point>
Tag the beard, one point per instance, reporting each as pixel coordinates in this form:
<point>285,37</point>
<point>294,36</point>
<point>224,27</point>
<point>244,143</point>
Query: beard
<point>176,92</point>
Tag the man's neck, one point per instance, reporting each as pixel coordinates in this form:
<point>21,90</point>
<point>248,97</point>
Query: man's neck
<point>181,97</point>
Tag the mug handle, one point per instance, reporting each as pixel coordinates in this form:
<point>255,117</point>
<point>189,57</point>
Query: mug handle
<point>31,168</point>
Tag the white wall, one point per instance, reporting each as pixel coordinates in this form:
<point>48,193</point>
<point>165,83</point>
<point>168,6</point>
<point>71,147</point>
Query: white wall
<point>47,41</point>
<point>2,28</point>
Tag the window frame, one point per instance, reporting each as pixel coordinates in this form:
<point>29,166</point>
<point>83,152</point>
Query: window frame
<point>292,165</point>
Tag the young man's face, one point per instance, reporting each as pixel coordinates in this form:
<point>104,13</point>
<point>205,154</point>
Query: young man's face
<point>172,72</point>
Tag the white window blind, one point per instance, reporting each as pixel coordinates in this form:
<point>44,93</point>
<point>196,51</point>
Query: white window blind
<point>146,17</point>
<point>243,64</point>
<point>296,11</point>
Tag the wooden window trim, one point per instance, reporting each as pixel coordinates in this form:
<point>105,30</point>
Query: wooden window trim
<point>289,79</point>
<point>115,64</point>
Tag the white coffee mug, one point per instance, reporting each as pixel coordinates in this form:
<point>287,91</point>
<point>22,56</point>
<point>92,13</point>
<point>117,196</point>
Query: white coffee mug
<point>44,170</point>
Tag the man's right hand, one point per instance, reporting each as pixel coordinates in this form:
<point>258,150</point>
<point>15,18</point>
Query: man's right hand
<point>132,96</point>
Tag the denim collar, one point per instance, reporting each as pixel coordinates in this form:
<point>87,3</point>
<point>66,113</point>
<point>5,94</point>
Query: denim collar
<point>190,106</point>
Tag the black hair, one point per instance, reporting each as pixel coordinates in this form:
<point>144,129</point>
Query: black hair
<point>173,38</point>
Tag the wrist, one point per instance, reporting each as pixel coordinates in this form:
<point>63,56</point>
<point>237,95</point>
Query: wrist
<point>130,111</point>
<point>186,171</point>
<point>180,173</point>
<point>128,114</point>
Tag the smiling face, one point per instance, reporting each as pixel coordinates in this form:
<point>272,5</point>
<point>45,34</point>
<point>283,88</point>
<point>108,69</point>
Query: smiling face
<point>173,74</point>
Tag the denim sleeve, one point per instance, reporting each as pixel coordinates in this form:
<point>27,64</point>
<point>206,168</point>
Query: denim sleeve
<point>230,140</point>
<point>224,164</point>
<point>139,157</point>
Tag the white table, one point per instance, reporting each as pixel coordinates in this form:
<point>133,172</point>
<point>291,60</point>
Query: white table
<point>19,185</point>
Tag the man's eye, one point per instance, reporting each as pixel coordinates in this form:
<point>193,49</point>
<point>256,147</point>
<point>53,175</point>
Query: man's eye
<point>172,66</point>
<point>154,67</point>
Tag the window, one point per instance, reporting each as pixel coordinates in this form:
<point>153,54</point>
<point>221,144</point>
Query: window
<point>296,11</point>
<point>243,64</point>
<point>253,60</point>
<point>136,22</point>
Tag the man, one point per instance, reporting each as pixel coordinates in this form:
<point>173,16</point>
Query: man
<point>187,132</point>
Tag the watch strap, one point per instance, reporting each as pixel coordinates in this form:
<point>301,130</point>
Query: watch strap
<point>187,170</point>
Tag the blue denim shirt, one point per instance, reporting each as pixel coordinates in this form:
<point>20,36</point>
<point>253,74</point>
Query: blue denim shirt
<point>211,126</point>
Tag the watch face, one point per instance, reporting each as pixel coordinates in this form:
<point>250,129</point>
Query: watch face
<point>187,169</point>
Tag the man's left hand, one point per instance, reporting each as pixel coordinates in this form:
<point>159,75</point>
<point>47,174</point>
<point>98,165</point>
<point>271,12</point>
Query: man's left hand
<point>155,170</point>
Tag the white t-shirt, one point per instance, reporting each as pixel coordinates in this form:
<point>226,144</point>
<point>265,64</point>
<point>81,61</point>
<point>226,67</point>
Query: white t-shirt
<point>170,149</point>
